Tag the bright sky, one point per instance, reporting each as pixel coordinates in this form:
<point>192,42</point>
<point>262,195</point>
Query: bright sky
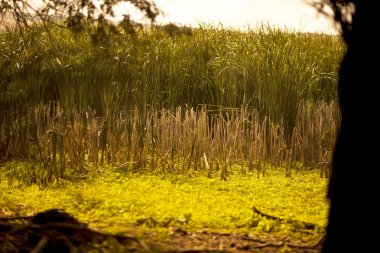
<point>293,14</point>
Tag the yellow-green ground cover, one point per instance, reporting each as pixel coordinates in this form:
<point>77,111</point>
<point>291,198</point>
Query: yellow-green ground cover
<point>115,201</point>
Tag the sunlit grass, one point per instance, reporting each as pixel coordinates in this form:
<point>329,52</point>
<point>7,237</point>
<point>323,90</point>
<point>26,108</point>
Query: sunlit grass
<point>165,97</point>
<point>118,202</point>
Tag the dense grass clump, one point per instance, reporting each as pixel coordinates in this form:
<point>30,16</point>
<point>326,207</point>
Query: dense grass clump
<point>168,97</point>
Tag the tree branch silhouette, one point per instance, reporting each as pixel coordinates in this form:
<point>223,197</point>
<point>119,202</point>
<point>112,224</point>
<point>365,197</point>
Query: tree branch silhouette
<point>71,13</point>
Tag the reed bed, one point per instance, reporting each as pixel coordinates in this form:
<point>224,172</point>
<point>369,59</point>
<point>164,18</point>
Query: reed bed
<point>168,98</point>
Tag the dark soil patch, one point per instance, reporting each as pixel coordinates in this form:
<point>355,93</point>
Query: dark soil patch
<point>206,241</point>
<point>56,231</point>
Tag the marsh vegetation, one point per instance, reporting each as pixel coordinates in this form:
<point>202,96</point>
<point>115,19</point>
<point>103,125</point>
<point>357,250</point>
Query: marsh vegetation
<point>164,99</point>
<point>170,127</point>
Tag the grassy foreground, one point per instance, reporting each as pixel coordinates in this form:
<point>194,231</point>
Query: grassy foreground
<point>120,202</point>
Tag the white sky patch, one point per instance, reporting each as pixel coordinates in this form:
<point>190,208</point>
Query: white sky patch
<point>128,9</point>
<point>293,14</point>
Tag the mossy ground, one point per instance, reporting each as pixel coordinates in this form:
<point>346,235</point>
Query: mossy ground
<point>117,202</point>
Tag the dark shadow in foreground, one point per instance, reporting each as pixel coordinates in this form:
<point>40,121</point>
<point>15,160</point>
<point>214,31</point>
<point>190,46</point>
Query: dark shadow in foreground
<point>353,219</point>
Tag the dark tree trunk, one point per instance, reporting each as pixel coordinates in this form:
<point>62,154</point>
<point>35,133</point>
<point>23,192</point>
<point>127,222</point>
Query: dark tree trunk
<point>354,189</point>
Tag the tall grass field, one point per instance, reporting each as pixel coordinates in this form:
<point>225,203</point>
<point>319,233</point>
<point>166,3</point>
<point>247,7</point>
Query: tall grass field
<point>169,98</point>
